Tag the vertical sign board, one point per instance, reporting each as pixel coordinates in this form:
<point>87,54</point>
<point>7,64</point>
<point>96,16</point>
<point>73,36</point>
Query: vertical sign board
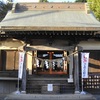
<point>84,64</point>
<point>21,61</point>
<point>50,87</point>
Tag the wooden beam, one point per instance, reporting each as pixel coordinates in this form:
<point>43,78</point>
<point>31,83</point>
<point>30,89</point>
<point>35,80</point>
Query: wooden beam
<point>42,47</point>
<point>45,28</point>
<point>11,43</point>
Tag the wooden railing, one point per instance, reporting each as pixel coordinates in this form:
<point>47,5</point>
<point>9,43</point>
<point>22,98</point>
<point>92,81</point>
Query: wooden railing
<point>9,73</point>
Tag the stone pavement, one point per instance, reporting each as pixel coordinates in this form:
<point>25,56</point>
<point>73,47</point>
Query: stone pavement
<point>2,96</point>
<point>97,97</point>
<point>48,97</point>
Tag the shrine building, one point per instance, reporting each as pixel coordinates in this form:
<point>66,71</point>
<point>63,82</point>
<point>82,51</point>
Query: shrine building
<point>52,36</point>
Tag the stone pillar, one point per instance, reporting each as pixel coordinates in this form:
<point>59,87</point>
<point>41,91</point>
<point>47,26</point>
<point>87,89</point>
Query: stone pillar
<point>70,79</point>
<point>0,61</point>
<point>29,62</point>
<point>76,71</point>
<point>24,76</point>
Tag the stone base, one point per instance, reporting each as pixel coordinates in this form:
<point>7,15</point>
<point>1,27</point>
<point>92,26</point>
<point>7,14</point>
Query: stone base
<point>23,92</point>
<point>50,97</point>
<point>70,80</point>
<point>16,92</point>
<point>77,92</point>
<point>56,90</point>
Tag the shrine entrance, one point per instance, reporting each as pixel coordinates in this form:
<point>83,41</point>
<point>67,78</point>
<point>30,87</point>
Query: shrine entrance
<point>51,62</point>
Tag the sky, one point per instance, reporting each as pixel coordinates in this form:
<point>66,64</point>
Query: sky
<point>38,0</point>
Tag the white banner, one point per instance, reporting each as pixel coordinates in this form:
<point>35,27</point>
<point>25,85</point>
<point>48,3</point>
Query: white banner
<point>84,64</point>
<point>21,61</point>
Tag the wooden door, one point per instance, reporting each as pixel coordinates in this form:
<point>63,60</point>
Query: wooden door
<point>50,62</point>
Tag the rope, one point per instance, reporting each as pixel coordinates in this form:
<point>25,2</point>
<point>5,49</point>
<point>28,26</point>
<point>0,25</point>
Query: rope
<point>50,60</point>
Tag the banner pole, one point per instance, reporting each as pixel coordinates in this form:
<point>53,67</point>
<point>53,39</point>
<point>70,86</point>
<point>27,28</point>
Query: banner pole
<point>82,84</point>
<point>18,85</point>
<point>82,92</point>
<point>18,92</point>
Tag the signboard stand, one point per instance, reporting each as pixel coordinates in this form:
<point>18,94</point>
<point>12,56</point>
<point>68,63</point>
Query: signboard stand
<point>82,92</point>
<point>20,71</point>
<point>84,68</point>
<point>17,92</point>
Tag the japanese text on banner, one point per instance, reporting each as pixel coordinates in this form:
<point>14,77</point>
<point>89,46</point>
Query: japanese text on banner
<point>21,61</point>
<point>84,64</point>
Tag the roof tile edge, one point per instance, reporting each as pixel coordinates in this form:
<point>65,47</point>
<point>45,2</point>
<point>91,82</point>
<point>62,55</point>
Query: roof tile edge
<point>14,7</point>
<point>50,6</point>
<point>87,8</point>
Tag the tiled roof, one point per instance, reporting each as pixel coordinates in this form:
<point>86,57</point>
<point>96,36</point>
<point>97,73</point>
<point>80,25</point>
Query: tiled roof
<point>50,19</point>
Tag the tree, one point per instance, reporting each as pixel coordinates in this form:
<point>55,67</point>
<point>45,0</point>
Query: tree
<point>43,0</point>
<point>95,7</point>
<point>81,1</point>
<point>4,9</point>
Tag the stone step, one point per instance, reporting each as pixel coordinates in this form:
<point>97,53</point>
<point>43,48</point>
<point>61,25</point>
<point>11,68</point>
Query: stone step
<point>36,83</point>
<point>58,87</point>
<point>50,97</point>
<point>47,76</point>
<point>64,83</point>
<point>58,79</point>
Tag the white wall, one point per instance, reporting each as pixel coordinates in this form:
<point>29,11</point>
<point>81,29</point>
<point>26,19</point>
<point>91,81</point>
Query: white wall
<point>90,45</point>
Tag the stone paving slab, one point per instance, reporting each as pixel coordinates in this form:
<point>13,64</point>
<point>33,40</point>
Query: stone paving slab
<point>49,97</point>
<point>97,97</point>
<point>2,96</point>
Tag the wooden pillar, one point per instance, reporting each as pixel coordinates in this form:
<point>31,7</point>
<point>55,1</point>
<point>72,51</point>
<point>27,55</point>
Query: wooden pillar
<point>35,55</point>
<point>65,62</point>
<point>50,57</point>
<point>34,66</point>
<point>76,71</point>
<point>4,58</point>
<point>24,76</point>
